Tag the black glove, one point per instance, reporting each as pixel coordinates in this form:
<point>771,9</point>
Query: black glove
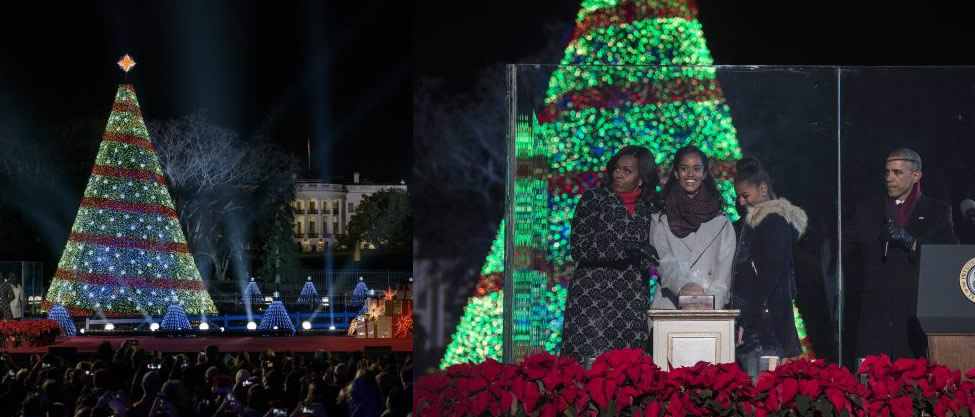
<point>641,251</point>
<point>900,235</point>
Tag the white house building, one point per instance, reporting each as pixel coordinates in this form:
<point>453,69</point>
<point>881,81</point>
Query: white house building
<point>323,211</point>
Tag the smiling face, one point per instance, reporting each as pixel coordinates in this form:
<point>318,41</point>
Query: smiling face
<point>750,194</point>
<point>626,175</point>
<point>690,172</point>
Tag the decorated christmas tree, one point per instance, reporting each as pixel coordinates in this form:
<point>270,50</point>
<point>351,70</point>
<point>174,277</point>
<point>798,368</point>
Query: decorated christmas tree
<point>635,72</point>
<point>127,254</point>
<point>359,295</point>
<point>252,294</point>
<point>60,314</point>
<point>308,293</point>
<point>175,318</point>
<point>276,318</point>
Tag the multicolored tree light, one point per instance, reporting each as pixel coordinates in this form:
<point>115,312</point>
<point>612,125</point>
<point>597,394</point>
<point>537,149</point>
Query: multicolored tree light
<point>634,72</point>
<point>127,254</point>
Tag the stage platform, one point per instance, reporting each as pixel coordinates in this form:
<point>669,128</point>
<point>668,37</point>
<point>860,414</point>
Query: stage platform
<point>310,343</point>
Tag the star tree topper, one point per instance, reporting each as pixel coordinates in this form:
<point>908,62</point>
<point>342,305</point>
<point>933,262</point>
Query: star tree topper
<point>126,63</point>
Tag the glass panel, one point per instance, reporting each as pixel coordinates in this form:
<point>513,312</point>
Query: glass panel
<point>932,112</point>
<point>565,122</point>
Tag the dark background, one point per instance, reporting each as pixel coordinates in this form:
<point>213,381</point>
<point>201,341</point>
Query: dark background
<point>335,73</point>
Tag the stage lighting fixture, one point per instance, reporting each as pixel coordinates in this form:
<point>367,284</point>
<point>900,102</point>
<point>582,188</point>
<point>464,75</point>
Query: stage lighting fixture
<point>332,327</point>
<point>251,325</point>
<point>154,326</point>
<point>109,326</point>
<point>204,326</point>
<point>82,331</point>
<point>306,325</point>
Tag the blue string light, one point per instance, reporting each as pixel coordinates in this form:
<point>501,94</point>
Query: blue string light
<point>276,316</point>
<point>60,314</point>
<point>175,318</point>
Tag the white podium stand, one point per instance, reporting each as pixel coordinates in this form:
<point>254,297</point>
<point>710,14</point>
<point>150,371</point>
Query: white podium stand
<point>684,337</point>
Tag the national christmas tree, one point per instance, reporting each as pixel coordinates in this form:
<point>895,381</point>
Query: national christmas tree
<point>635,72</point>
<point>127,254</point>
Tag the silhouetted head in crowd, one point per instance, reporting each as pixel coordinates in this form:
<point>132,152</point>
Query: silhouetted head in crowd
<point>273,380</point>
<point>105,351</point>
<point>242,375</point>
<point>175,392</point>
<point>212,352</point>
<point>57,410</point>
<point>292,382</point>
<point>31,407</point>
<point>151,382</point>
<point>387,382</point>
<point>102,379</point>
<point>257,398</point>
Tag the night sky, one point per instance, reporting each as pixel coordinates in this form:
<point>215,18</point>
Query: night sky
<point>325,71</point>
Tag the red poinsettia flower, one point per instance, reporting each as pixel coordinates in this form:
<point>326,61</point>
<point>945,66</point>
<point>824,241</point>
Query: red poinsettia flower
<point>427,400</point>
<point>802,387</point>
<point>708,389</point>
<point>626,378</point>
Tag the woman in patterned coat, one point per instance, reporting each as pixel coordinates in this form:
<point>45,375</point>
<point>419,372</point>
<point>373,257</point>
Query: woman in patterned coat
<point>607,299</point>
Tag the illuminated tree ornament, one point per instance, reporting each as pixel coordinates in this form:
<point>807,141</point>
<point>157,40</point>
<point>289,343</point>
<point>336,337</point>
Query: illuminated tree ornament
<point>126,63</point>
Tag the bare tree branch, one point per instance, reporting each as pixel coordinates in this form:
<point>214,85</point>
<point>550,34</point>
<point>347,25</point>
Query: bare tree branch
<point>213,174</point>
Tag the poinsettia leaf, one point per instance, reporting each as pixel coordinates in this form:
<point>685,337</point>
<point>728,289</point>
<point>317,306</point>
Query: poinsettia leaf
<point>802,403</point>
<point>824,407</point>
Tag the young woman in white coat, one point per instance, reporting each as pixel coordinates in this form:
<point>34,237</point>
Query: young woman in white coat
<point>695,240</point>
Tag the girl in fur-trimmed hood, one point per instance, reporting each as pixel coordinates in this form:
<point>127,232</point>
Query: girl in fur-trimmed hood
<point>764,276</point>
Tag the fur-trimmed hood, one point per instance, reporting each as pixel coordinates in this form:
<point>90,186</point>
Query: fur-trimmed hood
<point>793,215</point>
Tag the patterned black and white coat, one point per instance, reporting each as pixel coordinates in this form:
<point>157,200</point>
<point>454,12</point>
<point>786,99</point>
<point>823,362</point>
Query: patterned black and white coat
<point>608,298</point>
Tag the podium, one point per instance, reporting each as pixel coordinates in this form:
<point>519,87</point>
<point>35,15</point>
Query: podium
<point>684,337</point>
<point>946,304</point>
